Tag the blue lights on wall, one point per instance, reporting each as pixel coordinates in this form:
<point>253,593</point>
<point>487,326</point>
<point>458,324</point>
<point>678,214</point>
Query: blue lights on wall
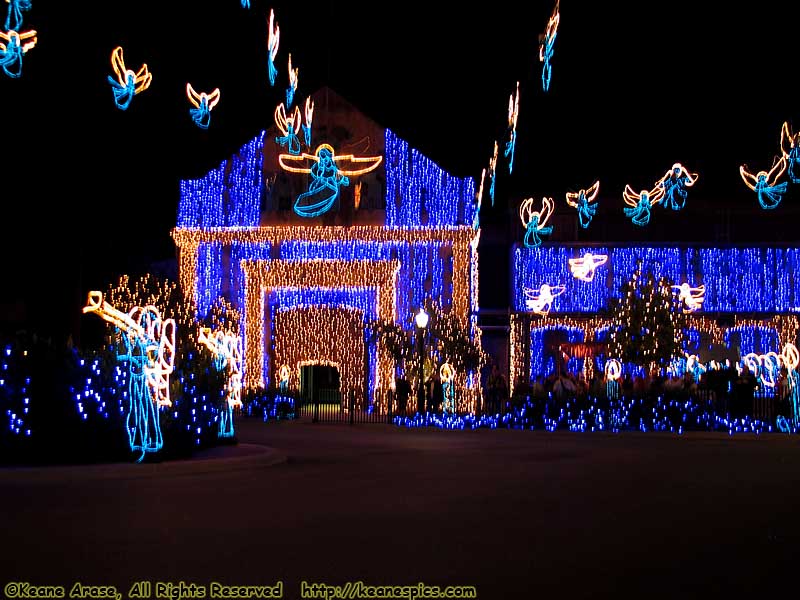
<point>228,196</point>
<point>736,279</point>
<point>420,193</point>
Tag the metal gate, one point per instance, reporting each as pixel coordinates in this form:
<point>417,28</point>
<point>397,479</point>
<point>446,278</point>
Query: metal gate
<point>330,406</point>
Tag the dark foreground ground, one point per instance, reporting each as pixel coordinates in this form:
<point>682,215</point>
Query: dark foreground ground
<point>516,514</point>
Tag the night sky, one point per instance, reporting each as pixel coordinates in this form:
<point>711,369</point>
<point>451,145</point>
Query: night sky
<point>91,191</point>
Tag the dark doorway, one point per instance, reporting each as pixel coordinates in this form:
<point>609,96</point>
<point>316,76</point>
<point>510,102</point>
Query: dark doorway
<point>319,384</point>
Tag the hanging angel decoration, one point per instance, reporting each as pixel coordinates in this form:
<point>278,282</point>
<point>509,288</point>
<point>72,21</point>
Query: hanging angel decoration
<point>13,46</point>
<point>309,114</point>
<point>127,83</point>
<point>513,115</point>
<point>273,41</point>
<point>546,44</point>
<point>765,184</point>
<point>14,15</point>
<point>674,182</point>
<point>203,103</point>
<point>289,125</point>
<point>492,172</point>
<point>584,202</point>
<point>790,147</point>
<point>293,76</point>
<point>639,211</point>
<point>535,221</point>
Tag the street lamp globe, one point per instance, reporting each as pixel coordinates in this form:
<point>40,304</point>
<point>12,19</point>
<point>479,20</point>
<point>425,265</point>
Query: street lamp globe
<point>421,319</point>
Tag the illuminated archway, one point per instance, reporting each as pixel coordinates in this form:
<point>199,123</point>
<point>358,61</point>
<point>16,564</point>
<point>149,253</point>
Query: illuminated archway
<point>262,276</point>
<point>304,334</point>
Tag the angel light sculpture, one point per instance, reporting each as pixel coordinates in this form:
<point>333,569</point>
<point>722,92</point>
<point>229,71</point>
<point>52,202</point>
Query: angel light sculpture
<point>583,200</point>
<point>273,42</point>
<point>203,103</point>
<point>328,173</point>
<point>541,301</point>
<point>535,221</point>
<point>289,125</point>
<point>546,45</point>
<point>765,184</point>
<point>227,350</point>
<point>127,84</point>
<point>149,350</point>
<point>640,204</point>
<point>13,46</point>
<point>674,182</point>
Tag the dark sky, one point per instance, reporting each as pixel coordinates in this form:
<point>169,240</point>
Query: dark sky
<point>91,191</point>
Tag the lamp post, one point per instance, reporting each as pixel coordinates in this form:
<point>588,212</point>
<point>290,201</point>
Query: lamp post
<point>421,319</point>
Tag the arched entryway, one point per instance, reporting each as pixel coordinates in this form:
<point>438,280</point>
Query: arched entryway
<point>323,336</point>
<point>321,384</point>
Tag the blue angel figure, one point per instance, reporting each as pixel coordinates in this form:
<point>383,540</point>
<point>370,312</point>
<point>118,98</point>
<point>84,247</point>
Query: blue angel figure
<point>273,41</point>
<point>309,114</point>
<point>326,176</point>
<point>245,3</point>
<point>770,192</point>
<point>640,203</point>
<point>790,146</point>
<point>289,126</point>
<point>548,41</point>
<point>513,115</point>
<point>203,103</point>
<point>149,349</point>
<point>14,16</point>
<point>675,181</point>
<point>226,348</point>
<point>584,202</point>
<point>293,74</point>
<point>143,425</point>
<point>127,83</point>
<point>535,221</point>
<point>13,46</point>
<point>492,173</point>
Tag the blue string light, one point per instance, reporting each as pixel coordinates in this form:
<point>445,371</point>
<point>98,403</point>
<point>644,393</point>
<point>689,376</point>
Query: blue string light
<point>736,279</point>
<point>420,193</point>
<point>14,16</point>
<point>228,196</point>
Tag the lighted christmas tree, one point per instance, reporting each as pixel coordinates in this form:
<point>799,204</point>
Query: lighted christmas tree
<point>648,323</point>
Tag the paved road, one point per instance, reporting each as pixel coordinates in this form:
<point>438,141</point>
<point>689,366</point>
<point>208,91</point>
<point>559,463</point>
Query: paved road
<point>516,514</point>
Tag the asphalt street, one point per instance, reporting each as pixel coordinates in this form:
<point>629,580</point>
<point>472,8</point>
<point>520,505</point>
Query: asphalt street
<point>515,514</point>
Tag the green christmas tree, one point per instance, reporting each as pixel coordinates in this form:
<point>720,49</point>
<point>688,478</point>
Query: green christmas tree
<point>648,323</point>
